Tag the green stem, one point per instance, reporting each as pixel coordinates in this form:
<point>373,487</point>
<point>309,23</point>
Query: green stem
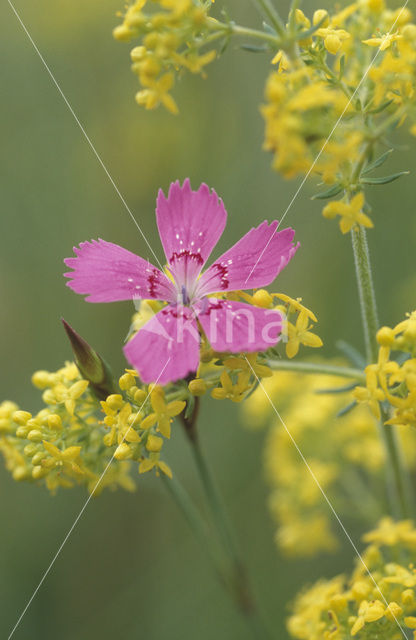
<point>398,485</point>
<point>194,519</point>
<point>239,580</point>
<point>244,597</point>
<point>316,368</point>
<point>270,12</point>
<point>366,292</point>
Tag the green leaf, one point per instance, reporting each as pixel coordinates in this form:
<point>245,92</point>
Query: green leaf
<point>380,108</point>
<point>384,179</point>
<point>341,66</point>
<point>377,163</point>
<point>334,190</point>
<point>343,389</point>
<point>303,35</point>
<point>346,409</point>
<point>353,355</point>
<point>254,48</point>
<point>268,29</point>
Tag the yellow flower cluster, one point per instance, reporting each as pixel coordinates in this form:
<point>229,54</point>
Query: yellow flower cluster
<point>74,437</point>
<point>338,450</point>
<point>393,381</point>
<point>361,606</point>
<point>327,111</point>
<point>134,427</point>
<point>300,112</point>
<point>173,38</point>
<point>234,377</point>
<point>61,445</point>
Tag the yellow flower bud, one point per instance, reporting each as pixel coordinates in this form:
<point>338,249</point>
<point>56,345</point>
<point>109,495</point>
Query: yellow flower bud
<point>41,379</point>
<point>35,435</point>
<point>393,611</point>
<point>122,33</point>
<point>410,621</point>
<point>140,396</point>
<point>385,336</point>
<point>409,32</point>
<point>115,401</point>
<point>137,54</point>
<point>21,417</point>
<point>197,387</point>
<point>360,589</point>
<point>19,473</point>
<point>302,19</point>
<point>218,393</point>
<point>123,451</point>
<point>154,443</point>
<point>321,14</point>
<point>126,381</point>
<point>39,472</point>
<point>262,298</point>
<point>30,450</point>
<point>38,457</point>
<point>54,422</point>
<point>408,597</point>
<point>21,432</point>
<point>332,43</point>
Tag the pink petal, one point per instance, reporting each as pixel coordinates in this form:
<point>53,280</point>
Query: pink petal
<point>105,272</point>
<point>235,326</point>
<point>190,224</point>
<point>253,262</point>
<point>167,347</point>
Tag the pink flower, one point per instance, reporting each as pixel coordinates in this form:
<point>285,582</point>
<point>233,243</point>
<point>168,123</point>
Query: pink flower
<point>190,224</point>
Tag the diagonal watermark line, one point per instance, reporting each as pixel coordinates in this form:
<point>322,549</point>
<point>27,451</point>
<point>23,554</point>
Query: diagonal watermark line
<point>86,136</point>
<point>311,168</point>
<point>77,519</point>
<point>327,500</point>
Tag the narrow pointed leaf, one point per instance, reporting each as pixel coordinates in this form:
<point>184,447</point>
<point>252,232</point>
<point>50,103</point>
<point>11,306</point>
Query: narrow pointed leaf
<point>377,162</point>
<point>346,409</point>
<point>384,179</point>
<point>334,190</point>
<point>252,48</point>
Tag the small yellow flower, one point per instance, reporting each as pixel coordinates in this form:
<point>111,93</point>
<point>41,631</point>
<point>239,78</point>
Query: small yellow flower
<point>153,462</point>
<point>383,41</point>
<point>368,612</point>
<point>299,334</point>
<point>333,38</point>
<point>68,458</point>
<point>158,93</point>
<point>235,392</point>
<point>248,362</point>
<point>68,396</point>
<point>350,212</point>
<point>163,413</point>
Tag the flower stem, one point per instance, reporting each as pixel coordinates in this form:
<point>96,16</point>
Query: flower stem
<point>398,485</point>
<point>316,368</point>
<point>194,519</point>
<point>270,12</point>
<point>366,292</point>
<point>239,581</point>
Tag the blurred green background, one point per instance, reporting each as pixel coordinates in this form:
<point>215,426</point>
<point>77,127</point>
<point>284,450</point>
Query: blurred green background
<point>131,568</point>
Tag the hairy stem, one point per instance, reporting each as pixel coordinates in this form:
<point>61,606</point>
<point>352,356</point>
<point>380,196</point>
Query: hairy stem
<point>366,292</point>
<point>397,477</point>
